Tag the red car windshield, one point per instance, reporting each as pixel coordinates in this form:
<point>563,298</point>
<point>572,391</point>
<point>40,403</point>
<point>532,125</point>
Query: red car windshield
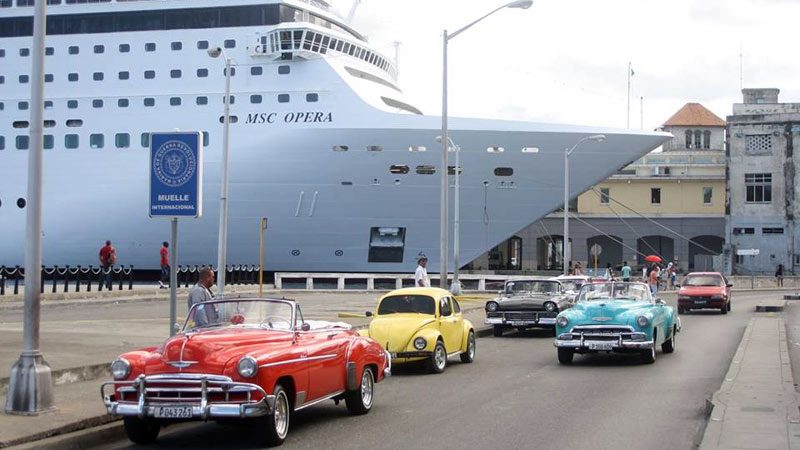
<point>704,280</point>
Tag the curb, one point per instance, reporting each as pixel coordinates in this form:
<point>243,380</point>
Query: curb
<point>791,297</point>
<point>71,375</point>
<point>72,435</point>
<point>771,307</point>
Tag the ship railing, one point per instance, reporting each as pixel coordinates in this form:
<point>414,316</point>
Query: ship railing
<point>379,281</point>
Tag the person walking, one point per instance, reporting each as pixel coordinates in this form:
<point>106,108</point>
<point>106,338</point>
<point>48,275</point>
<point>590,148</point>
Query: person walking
<point>779,275</point>
<point>201,293</point>
<point>421,274</point>
<point>578,268</point>
<point>108,257</point>
<point>626,272</point>
<point>164,252</point>
<point>653,279</point>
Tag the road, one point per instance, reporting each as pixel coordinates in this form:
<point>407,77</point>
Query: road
<point>516,395</point>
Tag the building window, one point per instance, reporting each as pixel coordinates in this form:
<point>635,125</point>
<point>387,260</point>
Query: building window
<point>176,46</point>
<point>97,103</point>
<point>124,48</point>
<point>123,103</point>
<point>150,47</point>
<point>772,230</point>
<point>22,142</point>
<point>758,187</point>
<point>97,76</point>
<point>283,98</point>
<point>74,50</point>
<point>202,73</point>
<point>122,140</point>
<point>96,141</point>
<point>706,139</point>
<point>312,98</point>
<point>256,70</point>
<point>149,101</point>
<point>175,73</point>
<point>124,75</point>
<point>744,230</point>
<point>758,144</point>
<point>175,101</point>
<point>284,70</point>
<point>99,49</point>
<point>604,194</point>
<point>708,194</point>
<point>71,141</point>
<point>256,98</point>
<point>149,74</point>
<point>698,136</point>
<point>202,100</point>
<point>655,196</point>
<point>72,77</point>
<point>739,259</point>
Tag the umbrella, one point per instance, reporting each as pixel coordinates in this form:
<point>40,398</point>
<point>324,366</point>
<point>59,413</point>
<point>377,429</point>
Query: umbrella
<point>652,258</point>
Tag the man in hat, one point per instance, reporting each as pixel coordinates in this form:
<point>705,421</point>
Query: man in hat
<point>421,274</point>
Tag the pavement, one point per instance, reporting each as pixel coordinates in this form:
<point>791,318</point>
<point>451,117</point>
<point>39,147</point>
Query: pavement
<point>91,332</point>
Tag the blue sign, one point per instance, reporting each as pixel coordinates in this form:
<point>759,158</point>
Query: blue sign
<point>176,174</point>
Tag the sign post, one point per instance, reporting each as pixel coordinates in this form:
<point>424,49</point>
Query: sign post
<point>596,250</point>
<point>176,190</point>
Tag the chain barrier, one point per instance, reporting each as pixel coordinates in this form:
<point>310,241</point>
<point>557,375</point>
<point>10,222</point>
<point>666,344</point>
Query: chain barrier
<point>240,274</point>
<point>14,277</point>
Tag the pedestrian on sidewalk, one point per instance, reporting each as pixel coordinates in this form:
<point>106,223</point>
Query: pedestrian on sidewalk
<point>201,293</point>
<point>108,257</point>
<point>626,272</point>
<point>421,274</point>
<point>578,268</point>
<point>779,275</point>
<point>653,279</point>
<point>164,265</point>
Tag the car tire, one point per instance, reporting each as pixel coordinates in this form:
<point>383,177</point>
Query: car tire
<point>141,431</point>
<point>724,309</point>
<point>359,401</point>
<point>497,330</point>
<point>681,310</point>
<point>274,427</point>
<point>469,355</point>
<point>729,305</point>
<point>669,346</point>
<point>438,360</point>
<point>648,356</point>
<point>565,355</point>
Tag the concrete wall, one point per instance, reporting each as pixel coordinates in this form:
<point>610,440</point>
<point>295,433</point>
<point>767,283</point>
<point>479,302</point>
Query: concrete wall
<point>678,196</point>
<point>679,142</point>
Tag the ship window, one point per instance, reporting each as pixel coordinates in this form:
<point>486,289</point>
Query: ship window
<point>97,76</point>
<point>21,203</point>
<point>123,103</point>
<point>340,148</point>
<point>206,138</point>
<point>386,244</point>
<point>22,142</point>
<point>73,123</point>
<point>426,170</point>
<point>230,43</point>
<point>96,141</point>
<point>49,51</point>
<point>149,101</point>
<point>202,45</point>
<point>503,171</point>
<point>20,124</point>
<point>256,98</point>
<point>150,47</point>
<point>175,101</point>
<point>202,73</point>
<point>124,48</point>
<point>23,79</point>
<point>2,79</point>
<point>145,140</point>
<point>2,142</point>
<point>284,70</point>
<point>23,106</point>
<point>122,140</point>
<point>149,74</point>
<point>256,70</point>
<point>399,169</point>
<point>71,141</point>
<point>175,73</point>
<point>233,119</point>
<point>49,142</point>
<point>49,123</point>
<point>97,103</point>
<point>374,148</point>
<point>311,98</point>
<point>124,75</point>
<point>283,98</point>
<point>48,78</point>
<point>2,53</point>
<point>2,106</point>
<point>202,100</point>
<point>72,77</point>
<point>225,71</point>
<point>233,99</point>
<point>24,52</point>
<point>72,104</point>
<point>74,50</point>
<point>99,48</point>
<point>176,46</point>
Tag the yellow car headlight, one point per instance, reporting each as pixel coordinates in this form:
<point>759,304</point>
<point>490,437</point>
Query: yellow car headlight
<point>420,343</point>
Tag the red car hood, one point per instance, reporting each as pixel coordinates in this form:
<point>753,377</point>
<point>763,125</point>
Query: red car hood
<point>211,351</point>
<point>701,291</point>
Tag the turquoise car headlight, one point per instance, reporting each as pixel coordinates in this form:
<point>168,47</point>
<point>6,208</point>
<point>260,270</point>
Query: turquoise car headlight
<point>420,343</point>
<point>562,321</point>
<point>120,369</point>
<point>247,366</point>
<point>642,321</point>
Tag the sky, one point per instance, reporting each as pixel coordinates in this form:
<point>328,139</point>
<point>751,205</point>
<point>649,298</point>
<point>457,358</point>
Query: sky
<point>566,61</point>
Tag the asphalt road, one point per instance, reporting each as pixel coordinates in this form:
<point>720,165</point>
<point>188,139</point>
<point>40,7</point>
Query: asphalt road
<point>516,395</point>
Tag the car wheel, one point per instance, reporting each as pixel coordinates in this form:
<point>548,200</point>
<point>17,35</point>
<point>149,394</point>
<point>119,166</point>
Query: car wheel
<point>729,306</point>
<point>469,355</point>
<point>497,331</point>
<point>681,310</point>
<point>669,346</point>
<point>275,426</point>
<point>724,309</point>
<point>359,401</point>
<point>141,431</point>
<point>565,355</point>
<point>648,356</point>
<point>438,360</point>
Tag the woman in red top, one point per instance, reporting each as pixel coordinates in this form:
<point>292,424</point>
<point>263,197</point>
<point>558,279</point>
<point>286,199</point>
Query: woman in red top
<point>653,279</point>
<point>164,266</point>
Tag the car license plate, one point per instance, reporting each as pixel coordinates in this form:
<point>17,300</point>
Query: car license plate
<point>173,412</point>
<point>699,302</point>
<point>601,345</point>
<point>517,323</point>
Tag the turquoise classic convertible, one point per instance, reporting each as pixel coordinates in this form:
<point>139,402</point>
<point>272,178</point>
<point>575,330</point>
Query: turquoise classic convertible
<point>616,317</point>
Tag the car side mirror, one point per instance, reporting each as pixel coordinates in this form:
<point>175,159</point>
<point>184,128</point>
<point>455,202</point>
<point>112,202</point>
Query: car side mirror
<point>660,302</point>
<point>368,314</point>
<point>729,285</point>
<point>305,326</point>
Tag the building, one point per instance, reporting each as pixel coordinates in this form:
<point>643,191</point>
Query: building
<point>763,183</point>
<point>670,203</point>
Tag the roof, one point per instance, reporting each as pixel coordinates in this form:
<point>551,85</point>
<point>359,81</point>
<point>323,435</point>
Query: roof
<point>694,114</point>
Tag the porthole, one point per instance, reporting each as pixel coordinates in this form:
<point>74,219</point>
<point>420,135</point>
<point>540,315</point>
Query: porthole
<point>72,104</point>
<point>98,76</point>
<point>417,148</point>
<point>20,124</point>
<point>451,170</point>
<point>284,70</point>
<point>74,50</point>
<point>24,52</point>
<point>48,78</point>
<point>2,142</point>
<point>24,79</point>
<point>97,103</point>
<point>347,183</point>
<point>48,104</point>
<point>124,75</point>
<point>175,73</point>
<point>176,46</point>
<point>374,148</point>
<point>23,106</point>
<point>295,252</point>
<point>124,48</point>
<point>49,51</point>
<point>202,45</point>
<point>74,123</point>
<point>202,100</point>
<point>22,142</point>
<point>145,140</point>
<point>206,138</point>
<point>399,169</point>
<point>21,203</point>
<point>426,170</point>
<point>230,43</point>
<point>71,141</point>
<point>202,73</point>
<point>99,49</point>
<point>49,123</point>
<point>123,103</point>
<point>283,98</point>
<point>233,99</point>
<point>150,47</point>
<point>175,101</point>
<point>233,119</point>
<point>122,140</point>
<point>338,253</point>
<point>503,171</point>
<point>312,98</point>
<point>149,74</point>
<point>96,141</point>
<point>225,71</point>
<point>72,77</point>
<point>255,98</point>
<point>340,148</point>
<point>256,70</point>
<point>149,101</point>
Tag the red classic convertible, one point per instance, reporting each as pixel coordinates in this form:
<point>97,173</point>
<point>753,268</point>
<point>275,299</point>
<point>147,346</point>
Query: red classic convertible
<point>244,359</point>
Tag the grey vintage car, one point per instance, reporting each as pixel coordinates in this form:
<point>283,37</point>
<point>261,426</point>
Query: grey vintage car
<point>527,303</point>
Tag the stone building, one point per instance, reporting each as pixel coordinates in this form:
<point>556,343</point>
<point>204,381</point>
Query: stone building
<point>763,183</point>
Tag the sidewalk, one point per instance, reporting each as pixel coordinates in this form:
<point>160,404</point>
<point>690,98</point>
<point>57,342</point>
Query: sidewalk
<point>757,405</point>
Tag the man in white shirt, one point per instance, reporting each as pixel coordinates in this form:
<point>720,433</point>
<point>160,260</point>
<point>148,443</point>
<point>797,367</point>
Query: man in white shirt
<point>421,274</point>
<point>201,293</point>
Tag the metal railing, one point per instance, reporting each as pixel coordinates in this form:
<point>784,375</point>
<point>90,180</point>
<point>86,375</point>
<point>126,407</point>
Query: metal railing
<point>56,278</point>
<point>237,274</point>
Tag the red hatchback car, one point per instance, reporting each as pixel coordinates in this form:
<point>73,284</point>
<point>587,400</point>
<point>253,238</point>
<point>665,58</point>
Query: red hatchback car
<point>704,290</point>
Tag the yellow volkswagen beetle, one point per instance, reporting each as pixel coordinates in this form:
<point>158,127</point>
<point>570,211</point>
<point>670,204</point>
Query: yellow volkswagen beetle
<point>416,324</point>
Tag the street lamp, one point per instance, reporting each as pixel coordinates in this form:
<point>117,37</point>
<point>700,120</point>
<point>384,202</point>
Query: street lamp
<point>222,245</point>
<point>443,207</point>
<point>455,287</point>
<point>567,152</point>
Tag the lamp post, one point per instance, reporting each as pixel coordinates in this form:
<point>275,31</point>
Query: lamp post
<point>567,152</point>
<point>222,245</point>
<point>443,207</point>
<point>455,287</point>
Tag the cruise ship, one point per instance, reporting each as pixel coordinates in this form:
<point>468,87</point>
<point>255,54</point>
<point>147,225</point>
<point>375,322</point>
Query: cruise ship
<point>323,142</point>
